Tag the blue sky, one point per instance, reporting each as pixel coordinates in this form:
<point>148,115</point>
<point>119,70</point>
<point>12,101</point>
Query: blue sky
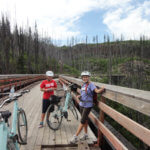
<point>81,18</point>
<point>91,24</point>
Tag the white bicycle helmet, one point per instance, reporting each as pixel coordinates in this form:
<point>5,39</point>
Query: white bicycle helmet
<point>85,73</point>
<point>49,73</point>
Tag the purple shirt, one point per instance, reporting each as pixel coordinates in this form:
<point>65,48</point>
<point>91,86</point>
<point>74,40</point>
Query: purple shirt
<point>87,97</point>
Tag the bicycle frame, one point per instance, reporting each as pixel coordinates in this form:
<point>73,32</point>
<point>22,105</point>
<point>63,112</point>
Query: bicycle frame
<point>65,107</point>
<point>61,111</point>
<point>14,122</point>
<point>5,131</point>
<point>3,135</point>
<point>68,97</point>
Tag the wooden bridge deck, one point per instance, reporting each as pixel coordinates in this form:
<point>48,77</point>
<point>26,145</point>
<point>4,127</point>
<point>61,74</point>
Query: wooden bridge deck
<point>31,103</point>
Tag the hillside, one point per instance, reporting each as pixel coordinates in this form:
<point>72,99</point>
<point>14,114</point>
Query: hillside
<point>24,51</point>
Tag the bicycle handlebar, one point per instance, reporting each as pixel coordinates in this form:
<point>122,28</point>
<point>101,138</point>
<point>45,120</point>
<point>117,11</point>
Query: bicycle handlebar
<point>13,96</point>
<point>65,87</point>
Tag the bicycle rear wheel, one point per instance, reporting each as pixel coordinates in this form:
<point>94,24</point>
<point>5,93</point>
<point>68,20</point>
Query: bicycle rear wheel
<point>54,118</point>
<point>22,127</point>
<point>73,110</point>
<point>11,145</point>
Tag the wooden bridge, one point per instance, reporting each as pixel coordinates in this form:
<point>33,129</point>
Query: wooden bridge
<point>46,139</point>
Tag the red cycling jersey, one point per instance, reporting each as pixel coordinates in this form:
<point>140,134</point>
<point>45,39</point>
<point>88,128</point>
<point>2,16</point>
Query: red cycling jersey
<point>46,85</point>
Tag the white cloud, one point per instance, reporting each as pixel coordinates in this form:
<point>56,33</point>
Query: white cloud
<point>58,18</point>
<point>108,4</point>
<point>131,23</point>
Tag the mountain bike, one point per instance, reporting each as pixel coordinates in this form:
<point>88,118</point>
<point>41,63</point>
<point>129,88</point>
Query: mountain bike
<point>10,138</point>
<point>56,111</point>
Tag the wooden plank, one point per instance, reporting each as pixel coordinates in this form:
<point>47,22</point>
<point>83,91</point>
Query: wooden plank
<point>31,137</point>
<point>64,136</point>
<point>72,124</point>
<point>40,134</point>
<point>136,99</point>
<point>91,139</point>
<point>37,147</point>
<point>69,132</point>
<point>32,104</point>
<point>46,135</point>
<point>58,136</point>
<point>101,118</point>
<point>33,118</point>
<point>112,138</point>
<point>33,133</point>
<point>52,138</point>
<point>83,145</point>
<point>138,130</point>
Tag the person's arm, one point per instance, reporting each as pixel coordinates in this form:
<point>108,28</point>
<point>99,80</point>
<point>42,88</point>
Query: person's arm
<point>53,88</point>
<point>49,89</point>
<point>43,89</point>
<point>101,90</point>
<point>79,91</point>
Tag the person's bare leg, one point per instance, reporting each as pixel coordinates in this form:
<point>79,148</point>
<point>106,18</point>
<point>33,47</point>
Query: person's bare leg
<point>85,127</point>
<point>80,127</point>
<point>42,117</point>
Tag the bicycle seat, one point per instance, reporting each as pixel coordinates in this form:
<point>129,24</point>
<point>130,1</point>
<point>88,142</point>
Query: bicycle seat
<point>5,114</point>
<point>55,99</point>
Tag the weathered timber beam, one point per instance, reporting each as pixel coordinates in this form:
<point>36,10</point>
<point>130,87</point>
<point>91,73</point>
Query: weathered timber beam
<point>135,99</point>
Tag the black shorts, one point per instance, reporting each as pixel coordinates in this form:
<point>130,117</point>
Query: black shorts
<point>84,114</point>
<point>45,105</point>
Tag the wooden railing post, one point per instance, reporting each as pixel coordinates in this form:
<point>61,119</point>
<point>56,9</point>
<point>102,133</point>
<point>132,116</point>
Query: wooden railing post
<point>101,118</point>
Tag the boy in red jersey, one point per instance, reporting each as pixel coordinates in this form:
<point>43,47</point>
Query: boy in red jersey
<point>47,86</point>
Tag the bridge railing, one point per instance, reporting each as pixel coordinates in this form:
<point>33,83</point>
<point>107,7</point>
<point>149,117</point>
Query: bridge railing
<point>135,99</point>
<point>7,81</point>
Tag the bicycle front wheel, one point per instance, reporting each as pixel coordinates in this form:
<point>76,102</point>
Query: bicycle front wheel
<point>11,145</point>
<point>73,110</point>
<point>54,116</point>
<point>22,127</point>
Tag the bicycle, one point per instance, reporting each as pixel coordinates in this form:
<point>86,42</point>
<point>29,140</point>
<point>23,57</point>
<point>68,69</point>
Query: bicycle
<point>9,139</point>
<point>56,112</point>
